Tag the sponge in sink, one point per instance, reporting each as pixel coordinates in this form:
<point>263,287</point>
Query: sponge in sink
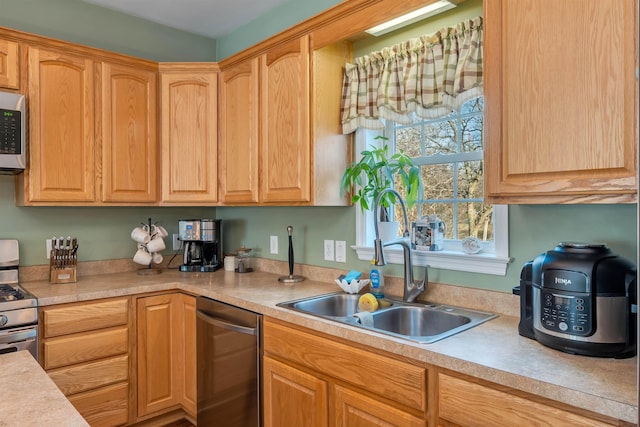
<point>352,275</point>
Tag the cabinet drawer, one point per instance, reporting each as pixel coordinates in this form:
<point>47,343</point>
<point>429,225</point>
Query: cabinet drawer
<point>106,406</point>
<point>468,404</point>
<point>87,376</point>
<point>396,380</point>
<point>70,319</point>
<point>83,348</point>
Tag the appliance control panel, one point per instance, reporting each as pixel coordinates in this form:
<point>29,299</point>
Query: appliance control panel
<point>10,131</point>
<point>566,313</point>
<point>189,229</point>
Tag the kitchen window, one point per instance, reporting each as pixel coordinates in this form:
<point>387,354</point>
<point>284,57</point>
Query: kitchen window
<point>449,152</point>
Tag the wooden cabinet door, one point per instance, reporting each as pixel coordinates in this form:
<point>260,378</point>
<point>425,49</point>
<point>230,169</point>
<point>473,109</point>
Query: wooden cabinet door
<point>166,353</point>
<point>9,65</point>
<point>188,366</point>
<point>284,135</point>
<point>292,397</point>
<point>561,100</point>
<point>129,141</point>
<point>189,136</point>
<point>352,409</point>
<point>239,146</point>
<point>159,353</point>
<point>61,128</point>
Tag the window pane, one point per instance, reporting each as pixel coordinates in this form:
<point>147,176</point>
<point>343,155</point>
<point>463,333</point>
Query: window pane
<point>475,105</point>
<point>470,180</point>
<point>450,187</point>
<point>440,137</point>
<point>471,129</point>
<point>475,219</point>
<point>408,140</point>
<point>437,181</point>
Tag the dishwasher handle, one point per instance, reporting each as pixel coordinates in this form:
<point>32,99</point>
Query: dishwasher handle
<point>226,325</point>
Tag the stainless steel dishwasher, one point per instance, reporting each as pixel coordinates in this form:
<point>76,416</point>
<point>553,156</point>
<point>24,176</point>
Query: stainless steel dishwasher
<point>228,360</point>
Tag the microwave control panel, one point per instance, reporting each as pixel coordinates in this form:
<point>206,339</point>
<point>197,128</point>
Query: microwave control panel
<point>567,314</point>
<point>10,132</point>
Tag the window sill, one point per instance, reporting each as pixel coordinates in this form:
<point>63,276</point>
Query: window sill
<point>484,263</point>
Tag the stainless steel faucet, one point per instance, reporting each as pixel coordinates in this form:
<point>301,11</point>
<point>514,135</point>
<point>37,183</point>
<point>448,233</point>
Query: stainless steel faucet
<point>412,289</point>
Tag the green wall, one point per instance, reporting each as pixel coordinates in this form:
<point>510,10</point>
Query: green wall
<point>104,232</point>
<point>83,23</point>
<point>282,17</point>
<point>533,229</point>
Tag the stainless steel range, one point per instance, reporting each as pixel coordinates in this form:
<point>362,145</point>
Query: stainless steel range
<point>18,308</point>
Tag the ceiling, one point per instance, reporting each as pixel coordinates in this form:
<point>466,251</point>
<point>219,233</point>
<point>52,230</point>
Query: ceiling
<point>210,18</point>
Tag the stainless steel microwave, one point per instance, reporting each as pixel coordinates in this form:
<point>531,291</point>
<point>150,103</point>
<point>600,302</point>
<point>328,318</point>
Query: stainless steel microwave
<point>12,133</point>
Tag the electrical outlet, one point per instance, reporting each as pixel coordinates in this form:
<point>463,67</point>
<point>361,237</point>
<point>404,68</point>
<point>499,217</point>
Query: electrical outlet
<point>273,247</point>
<point>48,244</point>
<point>341,251</point>
<point>328,250</point>
<point>176,242</point>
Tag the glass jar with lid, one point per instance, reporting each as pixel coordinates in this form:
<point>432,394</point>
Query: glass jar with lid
<point>244,260</point>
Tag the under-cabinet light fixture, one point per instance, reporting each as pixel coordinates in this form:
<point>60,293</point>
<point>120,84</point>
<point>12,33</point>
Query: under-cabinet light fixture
<point>411,17</point>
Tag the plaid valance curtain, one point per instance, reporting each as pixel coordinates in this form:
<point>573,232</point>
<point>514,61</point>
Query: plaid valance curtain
<point>428,76</point>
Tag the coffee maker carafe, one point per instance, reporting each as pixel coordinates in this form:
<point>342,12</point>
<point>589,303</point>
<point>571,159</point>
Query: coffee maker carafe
<point>202,240</point>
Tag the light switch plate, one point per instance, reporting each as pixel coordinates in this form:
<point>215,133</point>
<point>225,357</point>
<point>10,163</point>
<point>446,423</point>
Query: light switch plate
<point>48,244</point>
<point>273,245</point>
<point>328,250</point>
<point>341,251</point>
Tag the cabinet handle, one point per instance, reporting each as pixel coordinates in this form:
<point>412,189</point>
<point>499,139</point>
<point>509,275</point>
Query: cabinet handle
<point>226,325</point>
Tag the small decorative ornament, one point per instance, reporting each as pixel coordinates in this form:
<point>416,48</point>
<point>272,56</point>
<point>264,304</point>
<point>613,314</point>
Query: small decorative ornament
<point>471,245</point>
<point>427,234</point>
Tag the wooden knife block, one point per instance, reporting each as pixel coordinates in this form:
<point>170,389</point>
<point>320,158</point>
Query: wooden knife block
<point>62,268</point>
<point>63,275</point>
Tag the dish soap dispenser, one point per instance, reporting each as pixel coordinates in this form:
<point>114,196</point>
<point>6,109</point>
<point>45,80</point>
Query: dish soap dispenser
<point>377,280</point>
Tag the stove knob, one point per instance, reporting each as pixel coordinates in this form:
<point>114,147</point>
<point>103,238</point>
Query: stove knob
<point>3,320</point>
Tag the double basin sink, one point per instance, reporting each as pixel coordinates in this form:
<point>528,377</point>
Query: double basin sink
<point>422,323</point>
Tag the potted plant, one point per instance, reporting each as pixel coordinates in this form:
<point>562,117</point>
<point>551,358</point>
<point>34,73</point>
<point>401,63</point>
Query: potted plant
<point>376,171</point>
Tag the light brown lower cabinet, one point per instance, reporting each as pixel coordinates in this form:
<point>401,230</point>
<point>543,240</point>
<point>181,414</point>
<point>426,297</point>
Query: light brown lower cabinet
<point>165,354</point>
<point>114,377</point>
<point>293,397</point>
<point>318,381</point>
<point>85,350</point>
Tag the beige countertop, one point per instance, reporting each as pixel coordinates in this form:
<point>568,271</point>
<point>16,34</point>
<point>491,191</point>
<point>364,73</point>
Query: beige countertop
<point>492,351</point>
<point>31,397</point>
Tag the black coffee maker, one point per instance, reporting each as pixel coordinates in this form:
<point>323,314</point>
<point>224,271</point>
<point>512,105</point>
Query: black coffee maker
<point>202,241</point>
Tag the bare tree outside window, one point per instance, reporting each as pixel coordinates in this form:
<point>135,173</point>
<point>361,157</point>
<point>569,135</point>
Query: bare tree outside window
<point>449,153</point>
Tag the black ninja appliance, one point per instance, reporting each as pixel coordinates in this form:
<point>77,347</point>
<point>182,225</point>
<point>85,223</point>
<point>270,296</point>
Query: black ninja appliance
<point>580,298</point>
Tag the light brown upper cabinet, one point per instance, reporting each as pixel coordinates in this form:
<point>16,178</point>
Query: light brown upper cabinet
<point>62,153</point>
<point>9,65</point>
<point>280,125</point>
<point>129,140</point>
<point>92,126</point>
<point>189,99</point>
<point>284,125</point>
<point>561,101</point>
<point>239,142</point>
